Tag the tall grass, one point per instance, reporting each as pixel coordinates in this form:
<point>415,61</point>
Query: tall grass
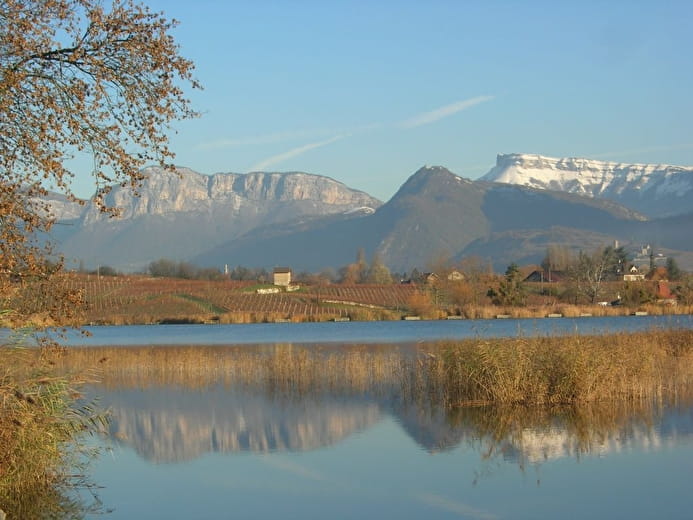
<point>40,419</point>
<point>523,370</point>
<point>285,369</point>
<point>565,370</point>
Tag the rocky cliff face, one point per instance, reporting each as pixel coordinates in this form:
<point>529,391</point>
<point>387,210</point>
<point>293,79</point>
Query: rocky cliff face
<point>185,191</point>
<point>177,215</point>
<point>655,190</point>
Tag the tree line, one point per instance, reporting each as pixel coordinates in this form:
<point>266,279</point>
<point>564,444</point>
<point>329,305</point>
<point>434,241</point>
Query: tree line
<point>583,276</point>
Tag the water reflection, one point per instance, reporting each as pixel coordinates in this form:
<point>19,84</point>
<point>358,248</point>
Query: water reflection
<point>535,436</point>
<point>167,424</point>
<point>176,404</point>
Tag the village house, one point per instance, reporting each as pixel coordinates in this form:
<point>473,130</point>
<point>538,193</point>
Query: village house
<point>430,277</point>
<point>452,276</point>
<point>455,276</point>
<point>633,275</point>
<point>281,276</point>
<point>645,258</point>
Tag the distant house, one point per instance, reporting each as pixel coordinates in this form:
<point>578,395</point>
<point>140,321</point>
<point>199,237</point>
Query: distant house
<point>281,276</point>
<point>633,275</point>
<point>663,291</point>
<point>645,258</point>
<point>431,277</point>
<point>455,276</point>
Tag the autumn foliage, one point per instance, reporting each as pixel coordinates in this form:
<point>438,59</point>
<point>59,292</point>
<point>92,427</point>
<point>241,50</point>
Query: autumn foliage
<point>79,77</point>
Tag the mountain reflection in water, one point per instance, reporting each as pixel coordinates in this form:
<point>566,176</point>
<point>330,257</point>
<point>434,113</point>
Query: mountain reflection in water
<point>178,404</point>
<point>174,423</point>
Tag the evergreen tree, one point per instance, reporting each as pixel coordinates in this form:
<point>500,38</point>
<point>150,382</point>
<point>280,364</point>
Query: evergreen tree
<point>673,271</point>
<point>511,290</point>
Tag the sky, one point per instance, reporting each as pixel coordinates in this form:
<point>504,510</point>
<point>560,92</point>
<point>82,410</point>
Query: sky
<point>367,92</point>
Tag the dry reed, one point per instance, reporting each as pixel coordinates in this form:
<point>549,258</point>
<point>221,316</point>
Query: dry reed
<point>39,421</point>
<point>529,371</point>
<point>565,370</point>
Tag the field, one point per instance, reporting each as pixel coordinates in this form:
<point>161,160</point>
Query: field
<point>133,299</point>
<point>140,299</point>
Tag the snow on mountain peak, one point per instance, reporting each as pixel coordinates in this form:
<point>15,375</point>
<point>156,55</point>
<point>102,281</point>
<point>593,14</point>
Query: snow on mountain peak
<point>657,190</point>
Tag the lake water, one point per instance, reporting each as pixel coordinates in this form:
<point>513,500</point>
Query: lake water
<point>192,444</point>
<point>218,454</point>
<point>366,332</point>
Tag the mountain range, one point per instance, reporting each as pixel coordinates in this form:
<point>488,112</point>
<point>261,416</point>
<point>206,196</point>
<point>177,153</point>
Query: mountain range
<point>311,222</point>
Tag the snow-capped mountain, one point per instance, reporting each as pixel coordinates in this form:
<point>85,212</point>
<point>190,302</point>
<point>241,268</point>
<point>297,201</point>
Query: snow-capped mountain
<point>655,190</point>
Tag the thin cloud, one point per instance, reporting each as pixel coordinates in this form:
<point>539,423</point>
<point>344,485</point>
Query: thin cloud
<point>250,141</point>
<point>452,506</point>
<point>294,152</point>
<point>285,136</point>
<point>446,111</point>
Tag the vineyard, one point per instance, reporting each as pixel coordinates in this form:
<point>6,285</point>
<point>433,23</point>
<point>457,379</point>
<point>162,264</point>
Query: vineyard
<point>140,299</point>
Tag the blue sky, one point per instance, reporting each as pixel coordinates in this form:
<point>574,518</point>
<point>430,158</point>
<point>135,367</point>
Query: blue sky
<point>366,92</point>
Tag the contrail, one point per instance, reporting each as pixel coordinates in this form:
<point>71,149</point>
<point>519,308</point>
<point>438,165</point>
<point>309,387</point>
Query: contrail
<point>249,141</point>
<point>440,113</point>
<point>263,165</point>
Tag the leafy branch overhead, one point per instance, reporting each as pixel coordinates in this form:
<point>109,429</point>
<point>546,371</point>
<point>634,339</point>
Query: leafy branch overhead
<point>81,76</point>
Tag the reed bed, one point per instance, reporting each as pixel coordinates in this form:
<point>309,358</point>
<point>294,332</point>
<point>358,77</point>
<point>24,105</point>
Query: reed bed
<point>525,370</point>
<point>39,420</point>
<point>502,394</point>
<point>562,370</point>
<point>287,369</point>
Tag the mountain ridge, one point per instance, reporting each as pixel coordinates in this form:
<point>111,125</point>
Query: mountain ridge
<point>435,213</point>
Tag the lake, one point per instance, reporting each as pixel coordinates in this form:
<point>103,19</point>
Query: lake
<point>219,453</point>
<point>365,332</point>
<point>186,441</point>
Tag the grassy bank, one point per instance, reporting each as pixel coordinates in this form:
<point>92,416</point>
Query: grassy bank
<point>330,312</point>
